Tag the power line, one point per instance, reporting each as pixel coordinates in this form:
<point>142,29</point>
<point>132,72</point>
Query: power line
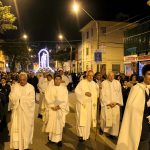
<point>19,42</point>
<point>128,25</point>
<point>129,19</point>
<point>138,34</point>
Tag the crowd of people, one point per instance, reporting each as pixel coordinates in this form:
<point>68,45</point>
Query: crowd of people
<point>116,104</point>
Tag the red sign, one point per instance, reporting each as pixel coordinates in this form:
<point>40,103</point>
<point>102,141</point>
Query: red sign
<point>144,57</point>
<point>130,58</point>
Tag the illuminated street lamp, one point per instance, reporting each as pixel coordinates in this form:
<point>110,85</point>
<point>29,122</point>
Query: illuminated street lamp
<point>25,37</point>
<point>29,49</point>
<point>61,37</point>
<point>76,7</point>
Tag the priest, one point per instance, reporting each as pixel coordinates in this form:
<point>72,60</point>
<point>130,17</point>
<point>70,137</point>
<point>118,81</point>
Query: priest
<point>86,106</point>
<point>22,99</point>
<point>57,108</point>
<point>135,129</point>
<point>111,100</point>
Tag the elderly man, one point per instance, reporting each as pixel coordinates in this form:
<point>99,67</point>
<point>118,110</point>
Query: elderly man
<point>111,100</point>
<point>135,129</point>
<point>56,109</point>
<point>22,99</point>
<point>86,107</point>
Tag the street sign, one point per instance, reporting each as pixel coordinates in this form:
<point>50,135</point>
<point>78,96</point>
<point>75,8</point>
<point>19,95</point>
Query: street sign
<point>98,56</point>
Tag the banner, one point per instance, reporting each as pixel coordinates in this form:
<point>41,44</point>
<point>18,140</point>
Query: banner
<point>98,56</point>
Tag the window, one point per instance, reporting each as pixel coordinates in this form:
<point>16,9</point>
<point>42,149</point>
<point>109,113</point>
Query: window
<point>87,51</point>
<point>116,68</point>
<point>87,35</point>
<point>98,67</point>
<point>92,32</point>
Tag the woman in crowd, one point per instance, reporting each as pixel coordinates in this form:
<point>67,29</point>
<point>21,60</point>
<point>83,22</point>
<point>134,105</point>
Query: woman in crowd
<point>133,79</point>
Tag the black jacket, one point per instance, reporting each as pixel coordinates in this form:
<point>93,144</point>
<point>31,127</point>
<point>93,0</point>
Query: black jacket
<point>34,81</point>
<point>5,90</point>
<point>2,111</point>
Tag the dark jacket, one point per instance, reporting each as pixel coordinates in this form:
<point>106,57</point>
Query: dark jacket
<point>34,81</point>
<point>2,111</point>
<point>5,90</point>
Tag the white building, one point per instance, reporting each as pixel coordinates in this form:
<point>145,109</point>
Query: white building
<point>110,41</point>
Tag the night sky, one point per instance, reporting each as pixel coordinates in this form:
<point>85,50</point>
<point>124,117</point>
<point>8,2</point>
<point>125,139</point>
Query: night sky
<point>42,20</point>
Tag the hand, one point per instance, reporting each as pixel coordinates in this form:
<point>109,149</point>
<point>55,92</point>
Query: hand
<point>55,108</point>
<point>148,119</point>
<point>118,104</point>
<point>129,85</point>
<point>109,105</point>
<point>88,94</point>
<point>112,105</point>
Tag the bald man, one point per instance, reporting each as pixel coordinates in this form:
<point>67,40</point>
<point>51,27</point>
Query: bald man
<point>86,106</point>
<point>22,98</point>
<point>111,100</point>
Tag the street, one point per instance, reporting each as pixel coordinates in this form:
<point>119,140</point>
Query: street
<point>70,140</point>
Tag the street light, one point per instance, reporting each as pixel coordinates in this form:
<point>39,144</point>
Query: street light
<point>29,49</point>
<point>25,37</point>
<point>76,7</point>
<point>61,37</point>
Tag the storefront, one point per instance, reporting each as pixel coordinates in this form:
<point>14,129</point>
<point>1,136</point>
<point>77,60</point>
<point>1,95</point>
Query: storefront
<point>130,64</point>
<point>142,60</point>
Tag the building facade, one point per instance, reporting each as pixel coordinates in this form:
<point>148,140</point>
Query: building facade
<point>105,37</point>
<point>137,48</point>
<point>2,61</point>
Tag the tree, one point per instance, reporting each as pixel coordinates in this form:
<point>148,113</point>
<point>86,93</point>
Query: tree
<point>17,52</point>
<point>6,18</point>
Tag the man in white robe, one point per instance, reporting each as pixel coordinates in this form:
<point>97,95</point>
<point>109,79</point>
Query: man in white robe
<point>50,82</point>
<point>86,106</point>
<point>135,129</point>
<point>111,100</point>
<point>65,80</point>
<point>22,99</point>
<point>56,110</point>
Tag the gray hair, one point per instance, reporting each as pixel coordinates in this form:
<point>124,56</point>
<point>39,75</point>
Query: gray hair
<point>111,72</point>
<point>23,74</point>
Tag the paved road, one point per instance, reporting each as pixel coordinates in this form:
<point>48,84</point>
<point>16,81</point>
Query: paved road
<point>70,140</point>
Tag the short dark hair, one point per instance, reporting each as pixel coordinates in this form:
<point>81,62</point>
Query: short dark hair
<point>145,69</point>
<point>133,75</point>
<point>57,75</point>
<point>49,75</point>
<point>3,78</point>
